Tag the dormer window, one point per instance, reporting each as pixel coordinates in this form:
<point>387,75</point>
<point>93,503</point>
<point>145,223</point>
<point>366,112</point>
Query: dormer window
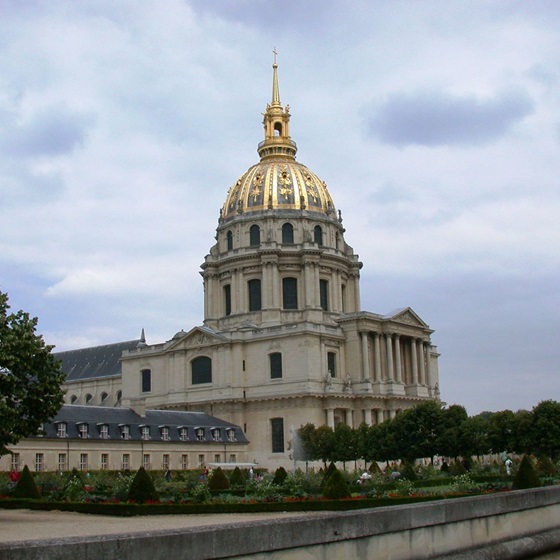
<point>83,431</point>
<point>216,434</point>
<point>125,431</point>
<point>230,434</point>
<point>61,429</point>
<point>104,431</point>
<point>199,434</point>
<point>164,430</point>
<point>145,432</point>
<point>183,433</point>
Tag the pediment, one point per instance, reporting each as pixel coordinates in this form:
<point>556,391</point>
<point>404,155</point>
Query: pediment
<point>196,338</point>
<point>406,316</point>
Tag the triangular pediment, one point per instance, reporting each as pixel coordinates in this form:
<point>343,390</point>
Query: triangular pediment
<point>406,316</point>
<point>196,338</point>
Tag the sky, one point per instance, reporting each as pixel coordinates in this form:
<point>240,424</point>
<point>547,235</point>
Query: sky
<point>435,124</point>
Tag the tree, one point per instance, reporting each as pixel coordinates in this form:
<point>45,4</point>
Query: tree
<point>502,431</point>
<point>345,444</point>
<point>324,443</point>
<point>545,429</point>
<point>304,443</point>
<point>30,377</point>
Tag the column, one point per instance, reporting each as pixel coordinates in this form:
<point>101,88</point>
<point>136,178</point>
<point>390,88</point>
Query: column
<point>349,417</point>
<point>377,358</point>
<point>428,369</point>
<point>365,355</point>
<point>275,286</point>
<point>307,280</point>
<point>422,364</point>
<point>234,291</point>
<point>330,417</point>
<point>380,416</point>
<point>367,416</point>
<point>243,308</point>
<point>316,278</point>
<point>398,364</point>
<point>389,343</point>
<point>265,286</point>
<point>392,414</point>
<point>414,360</point>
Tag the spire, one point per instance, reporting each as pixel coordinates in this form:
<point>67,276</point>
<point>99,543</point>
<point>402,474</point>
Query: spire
<point>277,142</point>
<point>275,88</point>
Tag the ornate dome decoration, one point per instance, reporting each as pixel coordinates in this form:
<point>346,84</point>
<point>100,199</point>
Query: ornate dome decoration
<point>278,182</point>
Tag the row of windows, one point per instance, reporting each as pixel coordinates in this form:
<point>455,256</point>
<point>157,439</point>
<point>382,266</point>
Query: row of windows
<point>289,295</point>
<point>103,398</point>
<point>202,371</point>
<point>123,462</point>
<point>287,236</point>
<point>145,432</point>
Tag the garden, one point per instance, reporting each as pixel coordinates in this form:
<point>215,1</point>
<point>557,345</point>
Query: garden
<point>239,490</point>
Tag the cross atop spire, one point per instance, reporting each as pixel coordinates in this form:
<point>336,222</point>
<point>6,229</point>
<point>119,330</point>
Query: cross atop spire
<point>275,89</point>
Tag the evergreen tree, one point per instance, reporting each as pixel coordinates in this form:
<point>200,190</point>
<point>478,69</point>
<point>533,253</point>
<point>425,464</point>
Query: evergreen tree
<point>335,486</point>
<point>26,487</point>
<point>526,476</point>
<point>218,480</point>
<point>142,488</point>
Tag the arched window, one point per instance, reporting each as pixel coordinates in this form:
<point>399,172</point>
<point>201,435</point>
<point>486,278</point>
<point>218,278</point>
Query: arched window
<point>119,396</point>
<point>88,398</point>
<point>337,241</point>
<point>201,368</point>
<point>318,235</point>
<point>227,299</point>
<point>287,234</point>
<point>289,293</point>
<point>255,236</point>
<point>324,294</point>
<point>254,287</point>
<point>73,399</point>
<point>275,365</point>
<point>104,396</point>
<point>277,129</point>
<point>229,237</point>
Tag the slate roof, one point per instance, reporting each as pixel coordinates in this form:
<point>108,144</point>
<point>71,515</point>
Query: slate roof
<point>116,418</point>
<point>97,361</point>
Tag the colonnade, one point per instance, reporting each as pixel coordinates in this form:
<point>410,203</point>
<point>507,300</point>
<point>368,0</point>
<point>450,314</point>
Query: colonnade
<point>396,358</point>
<point>369,416</point>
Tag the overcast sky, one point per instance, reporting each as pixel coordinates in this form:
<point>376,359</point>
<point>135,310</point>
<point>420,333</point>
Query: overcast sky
<point>435,124</point>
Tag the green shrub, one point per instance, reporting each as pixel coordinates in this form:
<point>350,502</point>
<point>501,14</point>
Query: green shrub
<point>142,488</point>
<point>335,486</point>
<point>218,480</point>
<point>545,466</point>
<point>457,468</point>
<point>200,493</point>
<point>237,478</point>
<point>407,471</point>
<point>279,476</point>
<point>526,476</point>
<point>328,472</point>
<point>26,487</point>
<point>374,468</point>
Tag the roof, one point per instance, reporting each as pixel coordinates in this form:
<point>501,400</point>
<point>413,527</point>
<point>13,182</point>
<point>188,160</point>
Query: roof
<point>97,361</point>
<point>115,418</point>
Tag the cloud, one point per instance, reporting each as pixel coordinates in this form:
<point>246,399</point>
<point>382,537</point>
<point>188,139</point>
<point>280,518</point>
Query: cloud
<point>51,131</point>
<point>432,118</point>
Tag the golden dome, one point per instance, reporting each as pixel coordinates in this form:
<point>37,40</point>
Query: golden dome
<point>278,182</point>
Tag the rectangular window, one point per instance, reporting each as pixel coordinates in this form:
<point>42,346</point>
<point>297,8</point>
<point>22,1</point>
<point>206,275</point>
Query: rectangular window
<point>217,458</point>
<point>146,380</point>
<point>146,461</point>
<point>233,458</point>
<point>289,293</point>
<point>165,433</point>
<point>227,299</point>
<point>275,365</point>
<point>125,432</point>
<point>83,430</point>
<point>277,430</point>
<point>324,294</point>
<point>331,363</point>
<point>184,462</point>
<point>104,461</point>
<point>200,434</point>
<point>216,435</point>
<point>125,462</point>
<point>39,462</point>
<point>104,431</point>
<point>62,464</point>
<point>201,461</point>
<point>145,432</point>
<point>230,434</point>
<point>83,461</point>
<point>183,434</point>
<point>254,295</point>
<point>61,429</point>
<point>16,462</point>
<point>165,462</point>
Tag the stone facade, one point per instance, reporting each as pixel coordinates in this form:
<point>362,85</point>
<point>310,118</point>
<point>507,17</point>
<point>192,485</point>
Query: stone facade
<point>284,340</point>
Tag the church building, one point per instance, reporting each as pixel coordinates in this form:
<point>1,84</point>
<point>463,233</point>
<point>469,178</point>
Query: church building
<point>284,340</point>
